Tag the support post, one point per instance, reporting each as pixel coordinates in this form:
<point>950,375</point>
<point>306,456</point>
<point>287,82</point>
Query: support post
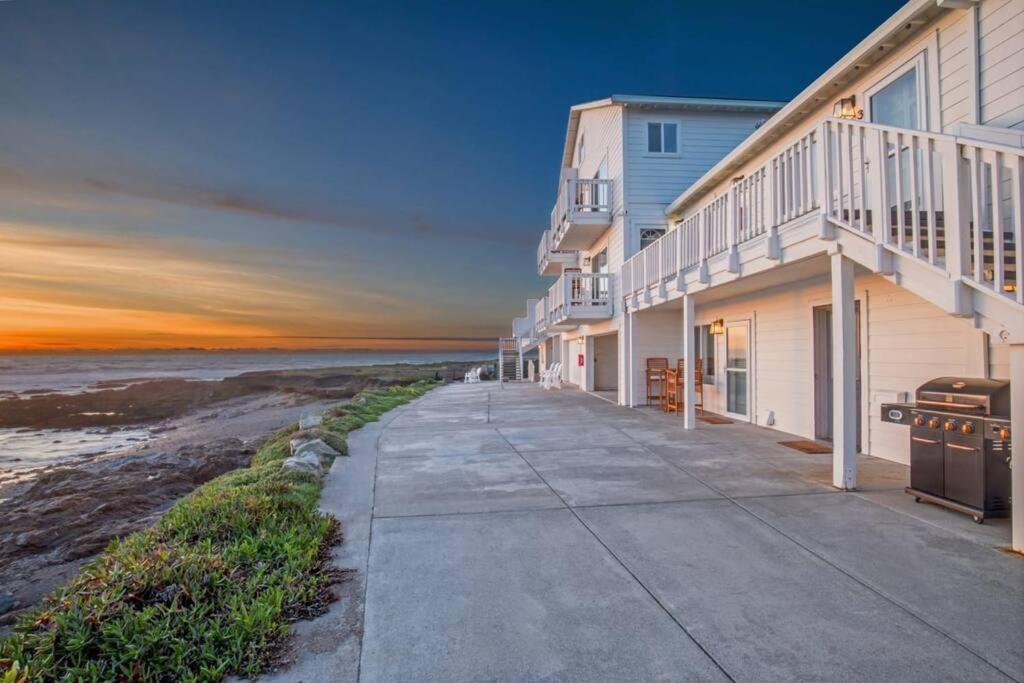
<point>732,219</point>
<point>588,368</point>
<point>844,376</point>
<point>1017,428</point>
<point>689,365</point>
<point>631,361</point>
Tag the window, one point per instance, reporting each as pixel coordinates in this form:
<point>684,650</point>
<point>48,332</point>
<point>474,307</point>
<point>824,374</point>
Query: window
<point>899,98</point>
<point>649,236</point>
<point>581,151</point>
<point>705,348</point>
<point>662,138</point>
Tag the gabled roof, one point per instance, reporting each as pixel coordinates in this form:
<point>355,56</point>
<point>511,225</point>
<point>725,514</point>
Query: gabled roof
<point>896,30</point>
<point>661,101</point>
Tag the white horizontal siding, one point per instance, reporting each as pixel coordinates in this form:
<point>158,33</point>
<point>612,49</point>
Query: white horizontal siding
<point>906,341</point>
<point>1001,62</point>
<point>954,72</point>
<point>704,138</point>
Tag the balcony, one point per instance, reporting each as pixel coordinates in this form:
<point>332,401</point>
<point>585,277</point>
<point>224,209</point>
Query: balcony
<point>578,298</point>
<point>943,212</point>
<point>551,261</point>
<point>582,212</point>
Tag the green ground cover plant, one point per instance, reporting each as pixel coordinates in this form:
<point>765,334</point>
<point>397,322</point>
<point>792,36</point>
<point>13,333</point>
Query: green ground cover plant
<point>212,588</point>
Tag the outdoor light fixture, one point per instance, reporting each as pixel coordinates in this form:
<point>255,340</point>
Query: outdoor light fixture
<point>846,108</point>
<point>717,327</point>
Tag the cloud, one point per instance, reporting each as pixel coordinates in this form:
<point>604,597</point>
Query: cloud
<point>51,189</point>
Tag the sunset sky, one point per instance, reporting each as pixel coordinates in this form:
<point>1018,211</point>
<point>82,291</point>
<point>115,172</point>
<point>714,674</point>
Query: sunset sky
<point>311,174</point>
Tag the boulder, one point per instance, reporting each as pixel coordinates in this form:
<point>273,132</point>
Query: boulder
<point>306,462</point>
<point>7,602</point>
<point>316,447</point>
<point>310,420</point>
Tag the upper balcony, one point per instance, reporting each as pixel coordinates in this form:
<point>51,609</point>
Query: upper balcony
<point>550,261</point>
<point>941,214</point>
<point>582,212</point>
<point>578,298</point>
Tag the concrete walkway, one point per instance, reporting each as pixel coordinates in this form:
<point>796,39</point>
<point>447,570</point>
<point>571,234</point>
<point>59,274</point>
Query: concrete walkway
<point>518,534</point>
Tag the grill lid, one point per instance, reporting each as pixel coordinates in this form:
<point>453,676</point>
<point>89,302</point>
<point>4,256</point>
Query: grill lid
<point>973,394</point>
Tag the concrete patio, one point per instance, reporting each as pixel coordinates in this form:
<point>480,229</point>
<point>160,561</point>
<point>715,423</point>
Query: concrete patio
<point>508,533</point>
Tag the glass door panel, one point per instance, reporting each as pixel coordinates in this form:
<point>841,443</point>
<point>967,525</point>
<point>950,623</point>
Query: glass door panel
<point>737,368</point>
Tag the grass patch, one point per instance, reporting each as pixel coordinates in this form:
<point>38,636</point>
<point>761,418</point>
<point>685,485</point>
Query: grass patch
<point>212,588</point>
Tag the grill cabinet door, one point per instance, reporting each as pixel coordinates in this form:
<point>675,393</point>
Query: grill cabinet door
<point>964,469</point>
<point>926,469</point>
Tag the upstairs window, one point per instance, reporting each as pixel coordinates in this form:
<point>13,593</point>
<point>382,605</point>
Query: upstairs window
<point>649,236</point>
<point>580,151</point>
<point>662,138</point>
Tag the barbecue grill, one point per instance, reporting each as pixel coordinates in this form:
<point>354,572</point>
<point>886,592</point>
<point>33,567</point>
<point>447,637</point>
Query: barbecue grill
<point>959,444</point>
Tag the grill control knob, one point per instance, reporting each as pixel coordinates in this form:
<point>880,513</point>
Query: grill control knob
<point>950,426</point>
<point>934,423</point>
<point>1004,433</point>
<point>918,421</point>
<point>967,428</point>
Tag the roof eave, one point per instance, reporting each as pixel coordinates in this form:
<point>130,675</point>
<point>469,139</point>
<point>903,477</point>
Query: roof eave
<point>792,111</point>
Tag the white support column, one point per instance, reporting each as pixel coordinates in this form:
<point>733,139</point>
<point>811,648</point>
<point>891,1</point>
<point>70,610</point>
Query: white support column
<point>623,353</point>
<point>588,368</point>
<point>844,376</point>
<point>631,369</point>
<point>1016,429</point>
<point>689,365</point>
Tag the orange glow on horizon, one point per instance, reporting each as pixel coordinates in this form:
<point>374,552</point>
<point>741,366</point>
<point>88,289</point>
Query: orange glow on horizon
<point>61,292</point>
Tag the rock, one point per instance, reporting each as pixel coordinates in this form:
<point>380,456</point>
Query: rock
<point>309,445</point>
<point>310,420</point>
<point>7,602</point>
<point>306,462</point>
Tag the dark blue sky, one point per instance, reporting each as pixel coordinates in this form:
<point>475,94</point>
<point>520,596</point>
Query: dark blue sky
<point>391,165</point>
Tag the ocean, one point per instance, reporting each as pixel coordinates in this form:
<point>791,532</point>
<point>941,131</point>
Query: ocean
<point>80,372</point>
<point>24,449</point>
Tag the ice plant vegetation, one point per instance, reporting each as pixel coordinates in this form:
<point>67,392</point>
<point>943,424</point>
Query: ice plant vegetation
<point>212,588</point>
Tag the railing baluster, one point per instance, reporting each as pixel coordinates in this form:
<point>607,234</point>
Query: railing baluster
<point>840,176</point>
<point>1017,190</point>
<point>862,175</point>
<point>915,216</point>
<point>977,198</point>
<point>928,187</point>
<point>998,211</point>
<point>900,218</point>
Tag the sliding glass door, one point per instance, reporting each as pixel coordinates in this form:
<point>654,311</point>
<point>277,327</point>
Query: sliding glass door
<point>737,369</point>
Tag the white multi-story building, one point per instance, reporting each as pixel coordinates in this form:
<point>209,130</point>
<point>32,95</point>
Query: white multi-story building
<point>864,239</point>
<point>625,160</point>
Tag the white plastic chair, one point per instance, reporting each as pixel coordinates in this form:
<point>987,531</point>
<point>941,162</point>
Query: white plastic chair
<point>473,376</point>
<point>552,376</point>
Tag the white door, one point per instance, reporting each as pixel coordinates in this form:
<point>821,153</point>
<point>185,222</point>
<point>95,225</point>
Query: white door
<point>737,369</point>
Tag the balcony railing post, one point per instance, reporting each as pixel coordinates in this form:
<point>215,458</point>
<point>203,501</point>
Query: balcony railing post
<point>824,184</point>
<point>732,218</point>
<point>773,249</point>
<point>702,250</point>
<point>956,208</point>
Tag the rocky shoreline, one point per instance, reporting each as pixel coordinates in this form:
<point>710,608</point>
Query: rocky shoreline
<point>59,516</point>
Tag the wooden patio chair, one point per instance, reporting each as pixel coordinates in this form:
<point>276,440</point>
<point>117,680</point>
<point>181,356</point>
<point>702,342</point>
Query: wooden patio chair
<point>698,382</point>
<point>655,381</point>
<point>672,391</point>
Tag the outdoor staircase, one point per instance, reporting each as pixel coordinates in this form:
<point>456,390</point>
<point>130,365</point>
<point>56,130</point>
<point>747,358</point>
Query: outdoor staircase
<point>510,360</point>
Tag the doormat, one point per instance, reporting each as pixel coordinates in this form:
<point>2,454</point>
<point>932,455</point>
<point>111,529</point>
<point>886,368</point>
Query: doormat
<point>714,420</point>
<point>807,446</point>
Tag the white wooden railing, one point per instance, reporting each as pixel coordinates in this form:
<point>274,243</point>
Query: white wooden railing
<point>952,202</point>
<point>582,295</point>
<point>579,198</point>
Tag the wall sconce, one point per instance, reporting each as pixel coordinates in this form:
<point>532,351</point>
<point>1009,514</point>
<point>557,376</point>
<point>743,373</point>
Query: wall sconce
<point>717,327</point>
<point>846,108</point>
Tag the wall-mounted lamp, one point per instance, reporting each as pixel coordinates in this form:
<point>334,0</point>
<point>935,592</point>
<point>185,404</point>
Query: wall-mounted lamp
<point>846,108</point>
<point>717,327</point>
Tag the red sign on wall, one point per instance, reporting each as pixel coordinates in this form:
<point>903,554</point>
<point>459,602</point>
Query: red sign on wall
<point>579,360</point>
